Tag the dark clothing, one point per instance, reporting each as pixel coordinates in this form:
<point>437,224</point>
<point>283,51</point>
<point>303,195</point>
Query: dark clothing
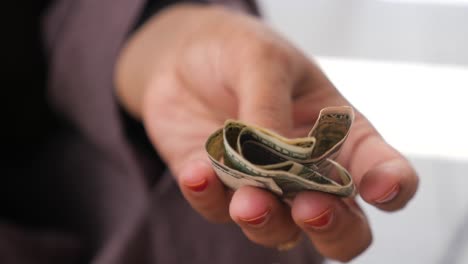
<point>82,183</point>
<point>29,124</point>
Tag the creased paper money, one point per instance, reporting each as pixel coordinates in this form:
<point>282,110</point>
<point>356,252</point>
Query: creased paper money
<point>248,155</point>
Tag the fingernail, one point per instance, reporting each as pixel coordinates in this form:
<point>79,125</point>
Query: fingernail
<point>198,186</point>
<point>322,221</point>
<point>390,195</point>
<point>256,220</point>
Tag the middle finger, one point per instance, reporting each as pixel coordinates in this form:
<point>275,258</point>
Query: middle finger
<point>263,218</point>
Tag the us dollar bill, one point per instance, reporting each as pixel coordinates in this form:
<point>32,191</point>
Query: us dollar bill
<point>243,154</point>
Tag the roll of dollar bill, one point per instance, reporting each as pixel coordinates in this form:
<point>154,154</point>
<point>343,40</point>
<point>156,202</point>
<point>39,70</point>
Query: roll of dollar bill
<point>243,154</point>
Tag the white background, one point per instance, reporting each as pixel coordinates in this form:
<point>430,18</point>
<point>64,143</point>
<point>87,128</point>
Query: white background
<point>404,64</point>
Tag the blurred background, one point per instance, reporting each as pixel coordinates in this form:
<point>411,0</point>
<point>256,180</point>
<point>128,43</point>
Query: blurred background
<point>404,64</point>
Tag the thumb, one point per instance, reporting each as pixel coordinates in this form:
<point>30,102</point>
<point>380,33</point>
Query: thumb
<point>265,100</point>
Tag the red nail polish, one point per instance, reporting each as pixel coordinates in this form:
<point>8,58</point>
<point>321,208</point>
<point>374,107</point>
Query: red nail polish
<point>198,186</point>
<point>256,220</point>
<point>390,195</point>
<point>321,221</point>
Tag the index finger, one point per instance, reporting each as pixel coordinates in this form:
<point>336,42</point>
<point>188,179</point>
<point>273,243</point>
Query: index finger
<point>384,177</point>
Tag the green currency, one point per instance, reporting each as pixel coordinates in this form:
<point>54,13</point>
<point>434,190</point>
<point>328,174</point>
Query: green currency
<point>248,155</point>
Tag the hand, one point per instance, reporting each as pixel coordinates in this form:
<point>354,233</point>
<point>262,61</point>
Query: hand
<point>191,67</point>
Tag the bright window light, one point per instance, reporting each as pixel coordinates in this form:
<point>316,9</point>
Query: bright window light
<point>441,2</point>
<point>421,109</point>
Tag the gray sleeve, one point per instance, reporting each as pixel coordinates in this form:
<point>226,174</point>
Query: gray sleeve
<point>118,215</point>
<point>82,40</point>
